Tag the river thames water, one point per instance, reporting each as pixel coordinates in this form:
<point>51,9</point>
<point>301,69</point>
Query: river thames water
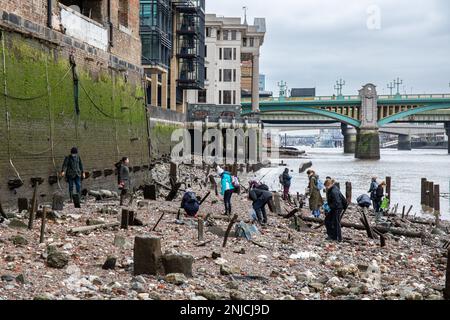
<point>405,167</point>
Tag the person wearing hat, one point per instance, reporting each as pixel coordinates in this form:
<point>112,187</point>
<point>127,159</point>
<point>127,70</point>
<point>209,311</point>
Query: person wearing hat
<point>72,169</point>
<point>227,188</point>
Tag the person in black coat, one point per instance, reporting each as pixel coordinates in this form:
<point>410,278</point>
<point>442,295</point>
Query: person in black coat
<point>337,203</point>
<point>260,197</point>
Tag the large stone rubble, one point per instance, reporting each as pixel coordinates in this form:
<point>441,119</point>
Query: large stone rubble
<point>278,263</point>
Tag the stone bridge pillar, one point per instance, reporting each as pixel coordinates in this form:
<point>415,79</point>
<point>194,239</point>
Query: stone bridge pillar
<point>368,138</point>
<point>404,142</point>
<point>447,131</point>
<point>349,134</point>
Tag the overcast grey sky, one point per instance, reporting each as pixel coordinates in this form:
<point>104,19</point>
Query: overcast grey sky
<point>312,43</point>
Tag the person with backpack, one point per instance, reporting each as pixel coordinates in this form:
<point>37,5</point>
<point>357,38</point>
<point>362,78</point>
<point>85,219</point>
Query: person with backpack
<point>123,178</point>
<point>314,187</point>
<point>379,194</point>
<point>227,188</point>
<point>190,203</point>
<point>285,180</point>
<point>336,203</point>
<point>260,196</point>
<point>373,190</point>
<point>72,169</point>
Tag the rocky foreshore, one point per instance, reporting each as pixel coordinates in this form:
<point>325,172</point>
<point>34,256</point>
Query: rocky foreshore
<point>288,259</point>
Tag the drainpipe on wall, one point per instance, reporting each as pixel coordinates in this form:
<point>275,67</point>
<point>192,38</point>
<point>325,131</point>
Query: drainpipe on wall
<point>49,13</point>
<point>110,26</point>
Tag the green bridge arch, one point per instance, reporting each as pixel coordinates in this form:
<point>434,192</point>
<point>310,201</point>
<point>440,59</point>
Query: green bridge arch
<point>411,112</point>
<point>326,113</point>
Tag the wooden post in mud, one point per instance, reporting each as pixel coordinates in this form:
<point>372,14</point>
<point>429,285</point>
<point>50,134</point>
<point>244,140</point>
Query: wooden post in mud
<point>227,233</point>
<point>430,192</point>
<point>125,219</point>
<point>388,187</point>
<point>436,200</point>
<point>33,207</point>
<point>348,192</point>
<point>423,190</point>
<point>44,218</point>
<point>200,229</point>
<point>447,278</point>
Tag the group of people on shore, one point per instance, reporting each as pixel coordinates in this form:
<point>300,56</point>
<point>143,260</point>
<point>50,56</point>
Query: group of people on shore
<point>259,193</point>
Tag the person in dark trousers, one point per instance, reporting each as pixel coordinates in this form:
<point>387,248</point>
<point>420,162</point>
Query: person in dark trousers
<point>123,178</point>
<point>227,188</point>
<point>373,190</point>
<point>285,180</point>
<point>337,203</point>
<point>378,198</point>
<point>72,169</point>
<point>260,196</point>
<point>190,203</point>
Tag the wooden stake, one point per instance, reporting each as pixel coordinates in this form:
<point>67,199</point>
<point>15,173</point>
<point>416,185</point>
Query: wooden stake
<point>200,229</point>
<point>388,187</point>
<point>409,210</point>
<point>437,199</point>
<point>33,207</point>
<point>423,190</point>
<point>131,216</point>
<point>205,197</point>
<point>348,192</point>
<point>227,233</point>
<point>403,212</point>
<point>159,220</point>
<point>43,221</point>
<point>125,217</point>
<point>431,194</point>
<point>447,278</point>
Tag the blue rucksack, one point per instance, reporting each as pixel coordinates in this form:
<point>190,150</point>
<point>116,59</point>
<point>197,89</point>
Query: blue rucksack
<point>319,184</point>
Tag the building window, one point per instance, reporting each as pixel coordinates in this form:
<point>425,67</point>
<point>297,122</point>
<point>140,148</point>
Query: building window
<point>234,96</point>
<point>227,97</point>
<point>220,53</point>
<point>252,42</point>
<point>244,42</point>
<point>206,51</point>
<point>234,75</point>
<point>201,96</point>
<point>225,35</point>
<point>227,75</point>
<point>220,75</point>
<point>208,32</point>
<point>206,73</point>
<point>234,53</point>
<point>218,34</point>
<point>220,97</point>
<point>123,12</point>
<point>227,54</point>
<point>233,35</point>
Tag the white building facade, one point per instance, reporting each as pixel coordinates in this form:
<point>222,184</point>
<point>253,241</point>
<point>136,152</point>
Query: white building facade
<point>226,40</point>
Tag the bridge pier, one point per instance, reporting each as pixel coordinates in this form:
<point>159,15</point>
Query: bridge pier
<point>349,134</point>
<point>368,144</point>
<point>404,142</point>
<point>447,131</point>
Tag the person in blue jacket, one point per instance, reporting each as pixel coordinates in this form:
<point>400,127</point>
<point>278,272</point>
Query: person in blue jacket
<point>226,188</point>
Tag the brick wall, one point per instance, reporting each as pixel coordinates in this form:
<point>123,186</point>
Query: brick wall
<point>41,125</point>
